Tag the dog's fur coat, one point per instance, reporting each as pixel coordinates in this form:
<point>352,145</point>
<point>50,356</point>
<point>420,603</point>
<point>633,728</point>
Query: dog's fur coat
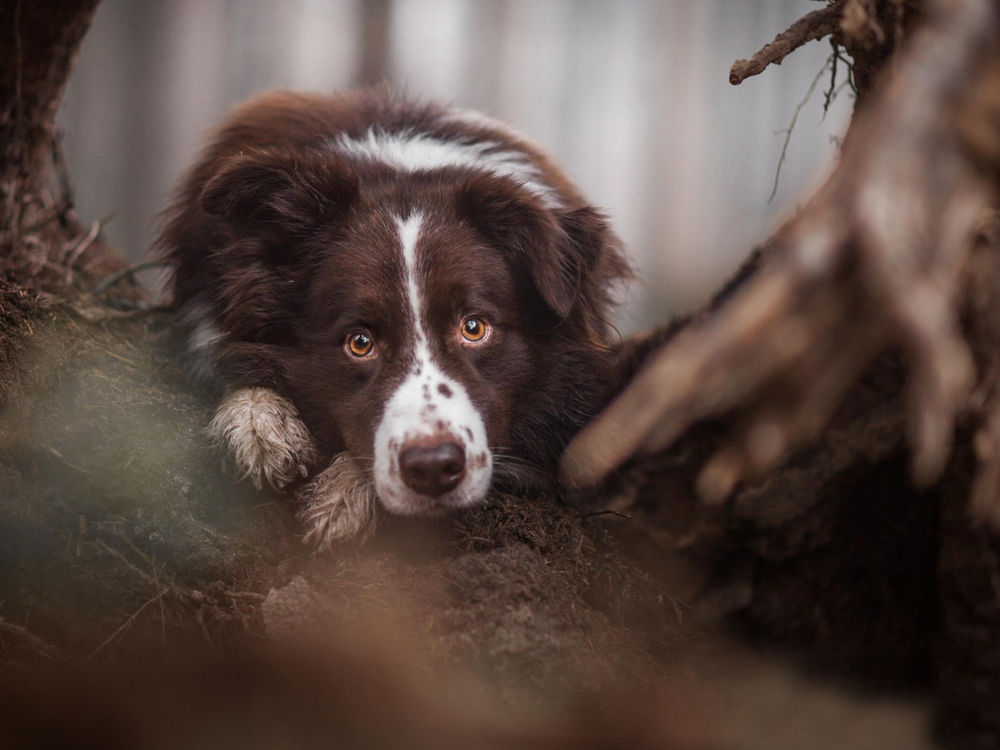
<point>405,302</point>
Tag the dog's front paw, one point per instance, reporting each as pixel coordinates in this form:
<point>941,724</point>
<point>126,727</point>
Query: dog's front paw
<point>262,431</point>
<point>339,503</point>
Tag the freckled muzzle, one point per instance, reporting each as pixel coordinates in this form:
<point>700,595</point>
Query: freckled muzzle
<point>431,451</point>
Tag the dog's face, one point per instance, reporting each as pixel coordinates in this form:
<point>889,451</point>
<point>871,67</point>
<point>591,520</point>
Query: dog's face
<point>415,354</point>
<point>411,322</point>
<point>395,296</point>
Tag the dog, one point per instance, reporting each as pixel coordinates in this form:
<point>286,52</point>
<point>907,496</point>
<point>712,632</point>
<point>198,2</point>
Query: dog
<point>405,303</point>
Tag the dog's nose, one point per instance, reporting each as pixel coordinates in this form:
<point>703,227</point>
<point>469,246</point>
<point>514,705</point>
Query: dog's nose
<point>432,470</point>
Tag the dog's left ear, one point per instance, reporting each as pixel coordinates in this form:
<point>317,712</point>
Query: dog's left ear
<point>278,190</point>
<point>560,250</point>
<point>597,250</point>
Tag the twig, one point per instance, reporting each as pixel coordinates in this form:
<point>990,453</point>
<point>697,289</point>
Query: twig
<point>81,248</point>
<point>128,563</point>
<point>248,595</point>
<point>139,553</point>
<point>110,281</point>
<point>850,80</point>
<point>63,459</point>
<point>45,649</point>
<point>791,126</point>
<point>608,512</point>
<point>124,626</point>
<point>843,84</point>
<point>811,26</point>
<point>832,92</point>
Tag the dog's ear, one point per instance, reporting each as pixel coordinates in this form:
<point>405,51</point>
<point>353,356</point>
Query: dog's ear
<point>283,191</point>
<point>560,250</point>
<point>601,255</point>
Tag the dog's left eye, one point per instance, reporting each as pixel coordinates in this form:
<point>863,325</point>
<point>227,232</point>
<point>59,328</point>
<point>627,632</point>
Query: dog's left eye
<point>474,329</point>
<point>360,343</point>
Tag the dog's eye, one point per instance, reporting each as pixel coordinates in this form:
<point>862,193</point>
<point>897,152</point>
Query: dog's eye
<point>474,329</point>
<point>359,343</point>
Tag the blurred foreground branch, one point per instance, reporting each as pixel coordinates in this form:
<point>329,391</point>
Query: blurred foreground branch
<point>876,260</point>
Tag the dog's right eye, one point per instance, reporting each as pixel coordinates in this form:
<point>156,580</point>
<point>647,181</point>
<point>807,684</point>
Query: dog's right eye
<point>359,344</point>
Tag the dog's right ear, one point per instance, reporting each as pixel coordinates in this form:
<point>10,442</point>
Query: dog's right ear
<point>284,191</point>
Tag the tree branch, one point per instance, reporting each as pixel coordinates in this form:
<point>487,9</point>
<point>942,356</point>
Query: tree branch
<point>810,27</point>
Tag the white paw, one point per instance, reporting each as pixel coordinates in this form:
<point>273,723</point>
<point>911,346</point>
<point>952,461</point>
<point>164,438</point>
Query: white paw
<point>262,431</point>
<point>339,503</point>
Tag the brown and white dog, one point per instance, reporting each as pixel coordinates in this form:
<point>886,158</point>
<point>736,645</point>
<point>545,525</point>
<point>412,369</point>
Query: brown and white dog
<point>405,302</point>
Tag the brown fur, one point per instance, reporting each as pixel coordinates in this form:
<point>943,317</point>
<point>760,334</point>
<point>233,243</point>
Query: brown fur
<point>280,246</point>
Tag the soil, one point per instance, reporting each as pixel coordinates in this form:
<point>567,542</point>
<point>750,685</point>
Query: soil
<point>125,542</point>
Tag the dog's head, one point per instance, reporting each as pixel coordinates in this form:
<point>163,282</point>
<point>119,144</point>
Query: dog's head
<point>443,326</point>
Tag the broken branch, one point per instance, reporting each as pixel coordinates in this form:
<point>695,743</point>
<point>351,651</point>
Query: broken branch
<point>812,26</point>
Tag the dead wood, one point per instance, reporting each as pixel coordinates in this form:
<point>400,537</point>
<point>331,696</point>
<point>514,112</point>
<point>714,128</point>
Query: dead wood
<point>874,261</point>
<point>869,31</point>
<point>816,25</point>
<point>42,243</point>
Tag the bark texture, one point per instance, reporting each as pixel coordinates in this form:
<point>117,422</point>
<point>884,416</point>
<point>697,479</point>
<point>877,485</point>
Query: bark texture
<point>42,243</point>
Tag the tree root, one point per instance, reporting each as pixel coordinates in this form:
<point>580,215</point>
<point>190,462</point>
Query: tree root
<point>873,262</point>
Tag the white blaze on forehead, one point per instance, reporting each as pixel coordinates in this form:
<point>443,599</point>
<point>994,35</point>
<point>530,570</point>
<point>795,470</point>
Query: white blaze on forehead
<point>409,233</point>
<point>410,151</point>
<point>427,404</point>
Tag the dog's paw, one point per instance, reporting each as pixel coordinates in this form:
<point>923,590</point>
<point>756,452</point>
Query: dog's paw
<point>262,432</point>
<point>339,503</point>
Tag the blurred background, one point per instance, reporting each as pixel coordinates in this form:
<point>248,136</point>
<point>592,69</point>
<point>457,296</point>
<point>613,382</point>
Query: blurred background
<point>631,96</point>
